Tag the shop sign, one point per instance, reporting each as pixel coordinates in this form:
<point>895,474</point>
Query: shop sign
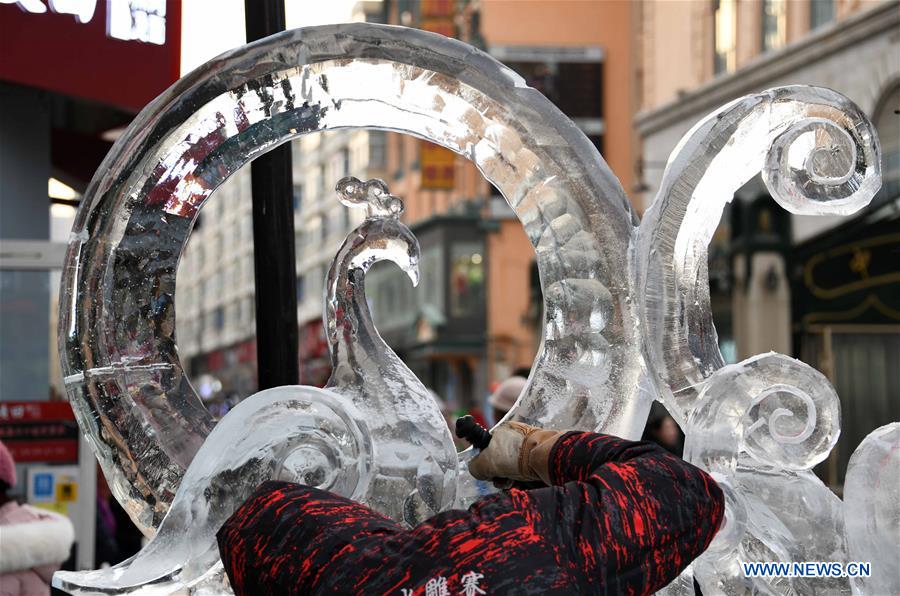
<point>438,165</point>
<point>128,20</point>
<point>119,52</point>
<point>39,431</point>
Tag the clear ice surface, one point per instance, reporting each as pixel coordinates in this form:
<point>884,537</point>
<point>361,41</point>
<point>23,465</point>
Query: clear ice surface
<point>818,154</point>
<point>416,463</point>
<point>627,309</point>
<point>299,434</point>
<point>872,510</point>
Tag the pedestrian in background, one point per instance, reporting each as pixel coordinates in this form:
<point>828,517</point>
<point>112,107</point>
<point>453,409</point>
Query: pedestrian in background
<point>505,396</point>
<point>663,430</point>
<point>33,542</point>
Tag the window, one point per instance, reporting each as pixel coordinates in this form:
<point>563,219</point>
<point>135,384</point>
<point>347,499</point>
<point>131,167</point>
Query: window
<point>247,229</point>
<point>325,226</point>
<point>298,197</point>
<point>319,280</point>
<point>299,240</point>
<point>322,180</point>
<point>401,156</point>
<point>300,288</point>
<point>774,26</point>
<point>345,162</point>
<point>248,309</point>
<point>377,149</point>
<point>887,122</point>
<point>432,277</point>
<point>215,254</point>
<point>185,331</point>
<point>312,232</point>
<point>725,32</point>
<point>466,279</point>
<point>219,314</point>
<point>821,12</point>
<point>576,88</point>
<point>247,275</point>
<point>571,78</point>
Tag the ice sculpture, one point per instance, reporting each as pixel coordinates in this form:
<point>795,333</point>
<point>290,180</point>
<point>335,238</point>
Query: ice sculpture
<point>627,306</point>
<point>415,460</point>
<point>117,340</point>
<point>872,510</point>
<point>320,437</point>
<point>818,154</point>
<point>760,425</point>
<point>298,434</point>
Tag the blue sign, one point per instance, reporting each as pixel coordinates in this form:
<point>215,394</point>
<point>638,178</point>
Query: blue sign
<point>43,485</point>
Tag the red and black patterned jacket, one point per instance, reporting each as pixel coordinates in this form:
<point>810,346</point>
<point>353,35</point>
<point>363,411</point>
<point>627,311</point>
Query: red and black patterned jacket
<point>622,517</point>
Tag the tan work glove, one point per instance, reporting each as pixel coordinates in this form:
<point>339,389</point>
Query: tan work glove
<point>517,452</point>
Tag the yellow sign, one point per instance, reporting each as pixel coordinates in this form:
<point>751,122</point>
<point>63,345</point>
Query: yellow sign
<point>438,167</point>
<point>66,492</point>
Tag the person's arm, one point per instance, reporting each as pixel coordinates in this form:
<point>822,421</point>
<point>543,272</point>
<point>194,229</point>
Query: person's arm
<point>627,516</point>
<point>287,536</point>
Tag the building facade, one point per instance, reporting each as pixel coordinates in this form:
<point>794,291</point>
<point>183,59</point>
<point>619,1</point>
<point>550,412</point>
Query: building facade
<point>321,223</point>
<point>822,288</point>
<point>216,296</point>
<point>215,302</point>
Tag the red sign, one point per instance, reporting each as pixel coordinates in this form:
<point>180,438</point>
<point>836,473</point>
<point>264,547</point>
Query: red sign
<point>39,431</point>
<point>315,361</point>
<point>246,352</point>
<point>239,353</point>
<point>119,52</point>
<point>312,340</point>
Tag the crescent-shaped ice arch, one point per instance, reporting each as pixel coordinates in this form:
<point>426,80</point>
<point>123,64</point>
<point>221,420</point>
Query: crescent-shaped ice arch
<point>117,321</point>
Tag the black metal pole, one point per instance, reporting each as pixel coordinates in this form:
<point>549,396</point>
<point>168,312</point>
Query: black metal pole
<point>277,354</point>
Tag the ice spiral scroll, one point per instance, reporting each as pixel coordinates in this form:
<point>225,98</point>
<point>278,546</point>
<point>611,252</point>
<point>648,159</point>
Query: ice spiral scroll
<point>762,424</point>
<point>817,153</point>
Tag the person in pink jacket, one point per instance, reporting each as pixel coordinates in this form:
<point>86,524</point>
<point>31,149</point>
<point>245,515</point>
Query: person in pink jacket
<point>33,542</point>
